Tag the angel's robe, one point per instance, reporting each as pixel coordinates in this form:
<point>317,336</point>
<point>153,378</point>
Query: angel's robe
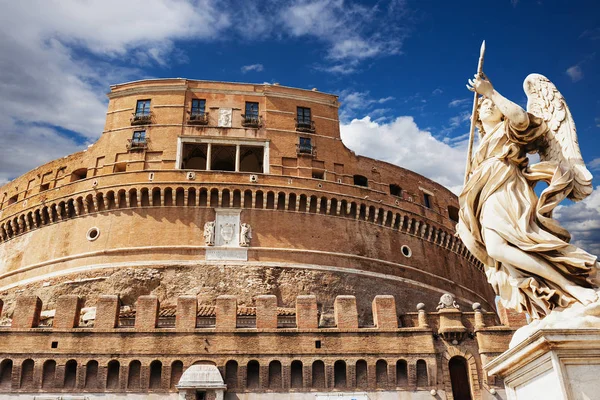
<point>499,196</point>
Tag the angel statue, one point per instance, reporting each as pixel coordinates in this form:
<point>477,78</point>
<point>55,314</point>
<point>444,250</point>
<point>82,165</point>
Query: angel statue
<point>527,256</point>
<point>209,233</point>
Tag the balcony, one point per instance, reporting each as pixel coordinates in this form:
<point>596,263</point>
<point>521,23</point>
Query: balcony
<point>251,121</point>
<point>141,119</point>
<point>307,150</point>
<point>305,125</point>
<point>198,119</point>
<point>135,144</point>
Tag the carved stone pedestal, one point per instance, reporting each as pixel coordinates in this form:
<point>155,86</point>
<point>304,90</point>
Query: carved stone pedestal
<point>552,364</point>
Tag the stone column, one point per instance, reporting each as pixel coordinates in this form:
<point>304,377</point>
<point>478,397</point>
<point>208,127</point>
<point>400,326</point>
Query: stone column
<point>237,158</point>
<point>208,156</point>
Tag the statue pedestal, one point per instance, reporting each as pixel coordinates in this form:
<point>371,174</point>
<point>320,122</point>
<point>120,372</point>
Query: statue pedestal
<point>552,364</point>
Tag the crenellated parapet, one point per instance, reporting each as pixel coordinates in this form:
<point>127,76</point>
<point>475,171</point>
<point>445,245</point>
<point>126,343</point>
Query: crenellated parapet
<point>259,348</point>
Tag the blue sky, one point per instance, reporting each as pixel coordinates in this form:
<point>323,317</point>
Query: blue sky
<point>400,68</point>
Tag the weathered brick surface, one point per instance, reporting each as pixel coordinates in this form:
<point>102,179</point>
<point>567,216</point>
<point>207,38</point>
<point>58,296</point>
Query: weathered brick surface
<point>384,312</point>
<point>187,307</point>
<point>346,315</point>
<point>510,317</point>
<point>266,312</point>
<point>226,312</point>
<point>306,312</point>
<point>68,309</point>
<point>107,312</point>
<point>27,312</point>
<point>146,313</point>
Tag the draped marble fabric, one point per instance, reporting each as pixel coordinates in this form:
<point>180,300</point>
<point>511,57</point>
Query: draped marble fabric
<point>499,196</point>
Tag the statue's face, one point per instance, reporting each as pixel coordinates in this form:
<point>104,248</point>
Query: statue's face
<point>488,112</point>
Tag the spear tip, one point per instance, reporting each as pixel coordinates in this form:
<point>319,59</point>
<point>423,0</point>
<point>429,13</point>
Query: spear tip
<point>482,50</point>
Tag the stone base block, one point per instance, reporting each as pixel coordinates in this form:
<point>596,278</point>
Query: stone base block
<point>552,364</point>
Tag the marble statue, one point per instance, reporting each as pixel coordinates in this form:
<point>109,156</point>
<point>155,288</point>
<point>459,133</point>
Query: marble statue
<point>527,255</point>
<point>209,233</point>
<point>245,235</point>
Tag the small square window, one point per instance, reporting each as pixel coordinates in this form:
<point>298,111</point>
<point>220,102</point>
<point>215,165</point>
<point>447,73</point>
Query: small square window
<point>317,344</point>
<point>142,108</point>
<point>198,107</point>
<point>395,190</point>
<point>44,187</point>
<point>316,174</point>
<point>54,345</point>
<point>305,146</point>
<point>138,138</point>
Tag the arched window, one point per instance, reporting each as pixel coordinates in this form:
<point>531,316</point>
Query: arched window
<point>339,374</point>
<point>251,159</point>
<point>459,377</point>
<point>48,374</point>
<point>296,374</point>
<point>70,374</point>
<point>422,378</point>
<point>112,374</point>
<point>176,372</point>
<point>155,374</point>
<point>6,368</point>
<point>231,374</point>
<point>91,375</point>
<point>27,373</point>
<point>252,375</point>
<point>361,374</point>
<point>78,174</point>
<point>133,377</point>
<point>223,158</point>
<point>318,374</point>
<point>401,373</point>
<point>194,156</point>
<point>275,375</point>
<point>381,374</point>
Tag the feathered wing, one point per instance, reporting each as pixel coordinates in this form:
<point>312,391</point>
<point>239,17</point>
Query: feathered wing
<point>560,144</point>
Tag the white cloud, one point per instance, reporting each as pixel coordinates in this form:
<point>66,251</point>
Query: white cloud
<point>458,102</point>
<point>252,67</point>
<point>575,73</point>
<point>355,103</point>
<point>583,221</point>
<point>403,143</point>
<point>59,57</point>
<point>594,165</point>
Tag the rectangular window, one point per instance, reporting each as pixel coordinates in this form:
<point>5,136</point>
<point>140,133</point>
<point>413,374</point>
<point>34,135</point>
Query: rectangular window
<point>427,200</point>
<point>395,190</point>
<point>305,146</point>
<point>138,138</point>
<point>198,107</point>
<point>251,118</point>
<point>142,108</point>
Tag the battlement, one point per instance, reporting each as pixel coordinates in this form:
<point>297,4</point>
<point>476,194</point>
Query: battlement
<point>259,348</point>
<point>227,315</point>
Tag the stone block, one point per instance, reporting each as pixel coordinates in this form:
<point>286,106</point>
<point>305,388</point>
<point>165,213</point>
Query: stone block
<point>68,309</point>
<point>384,312</point>
<point>146,312</point>
<point>266,312</point>
<point>346,314</point>
<point>187,309</point>
<point>27,312</point>
<point>226,312</point>
<point>306,312</point>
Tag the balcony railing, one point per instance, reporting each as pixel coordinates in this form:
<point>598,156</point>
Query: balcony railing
<point>200,118</point>
<point>251,121</point>
<point>137,144</point>
<point>141,119</point>
<point>309,150</point>
<point>305,126</point>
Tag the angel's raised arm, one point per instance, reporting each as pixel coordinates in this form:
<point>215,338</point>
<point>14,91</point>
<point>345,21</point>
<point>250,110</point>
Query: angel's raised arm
<point>515,114</point>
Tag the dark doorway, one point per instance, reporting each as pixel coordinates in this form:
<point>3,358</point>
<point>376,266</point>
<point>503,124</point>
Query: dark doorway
<point>200,395</point>
<point>459,376</point>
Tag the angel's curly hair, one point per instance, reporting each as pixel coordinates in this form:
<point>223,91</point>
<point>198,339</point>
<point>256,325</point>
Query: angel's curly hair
<point>478,123</point>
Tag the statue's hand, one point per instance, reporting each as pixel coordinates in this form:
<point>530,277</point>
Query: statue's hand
<point>481,85</point>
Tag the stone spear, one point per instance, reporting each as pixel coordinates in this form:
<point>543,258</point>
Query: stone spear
<point>474,116</point>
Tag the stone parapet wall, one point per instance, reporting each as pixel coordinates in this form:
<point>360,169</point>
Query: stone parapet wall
<point>145,358</point>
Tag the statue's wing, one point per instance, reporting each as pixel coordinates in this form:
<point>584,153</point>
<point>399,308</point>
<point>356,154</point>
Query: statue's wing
<point>560,143</point>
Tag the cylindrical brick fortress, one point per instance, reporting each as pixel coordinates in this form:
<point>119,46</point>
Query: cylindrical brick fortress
<point>127,215</point>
